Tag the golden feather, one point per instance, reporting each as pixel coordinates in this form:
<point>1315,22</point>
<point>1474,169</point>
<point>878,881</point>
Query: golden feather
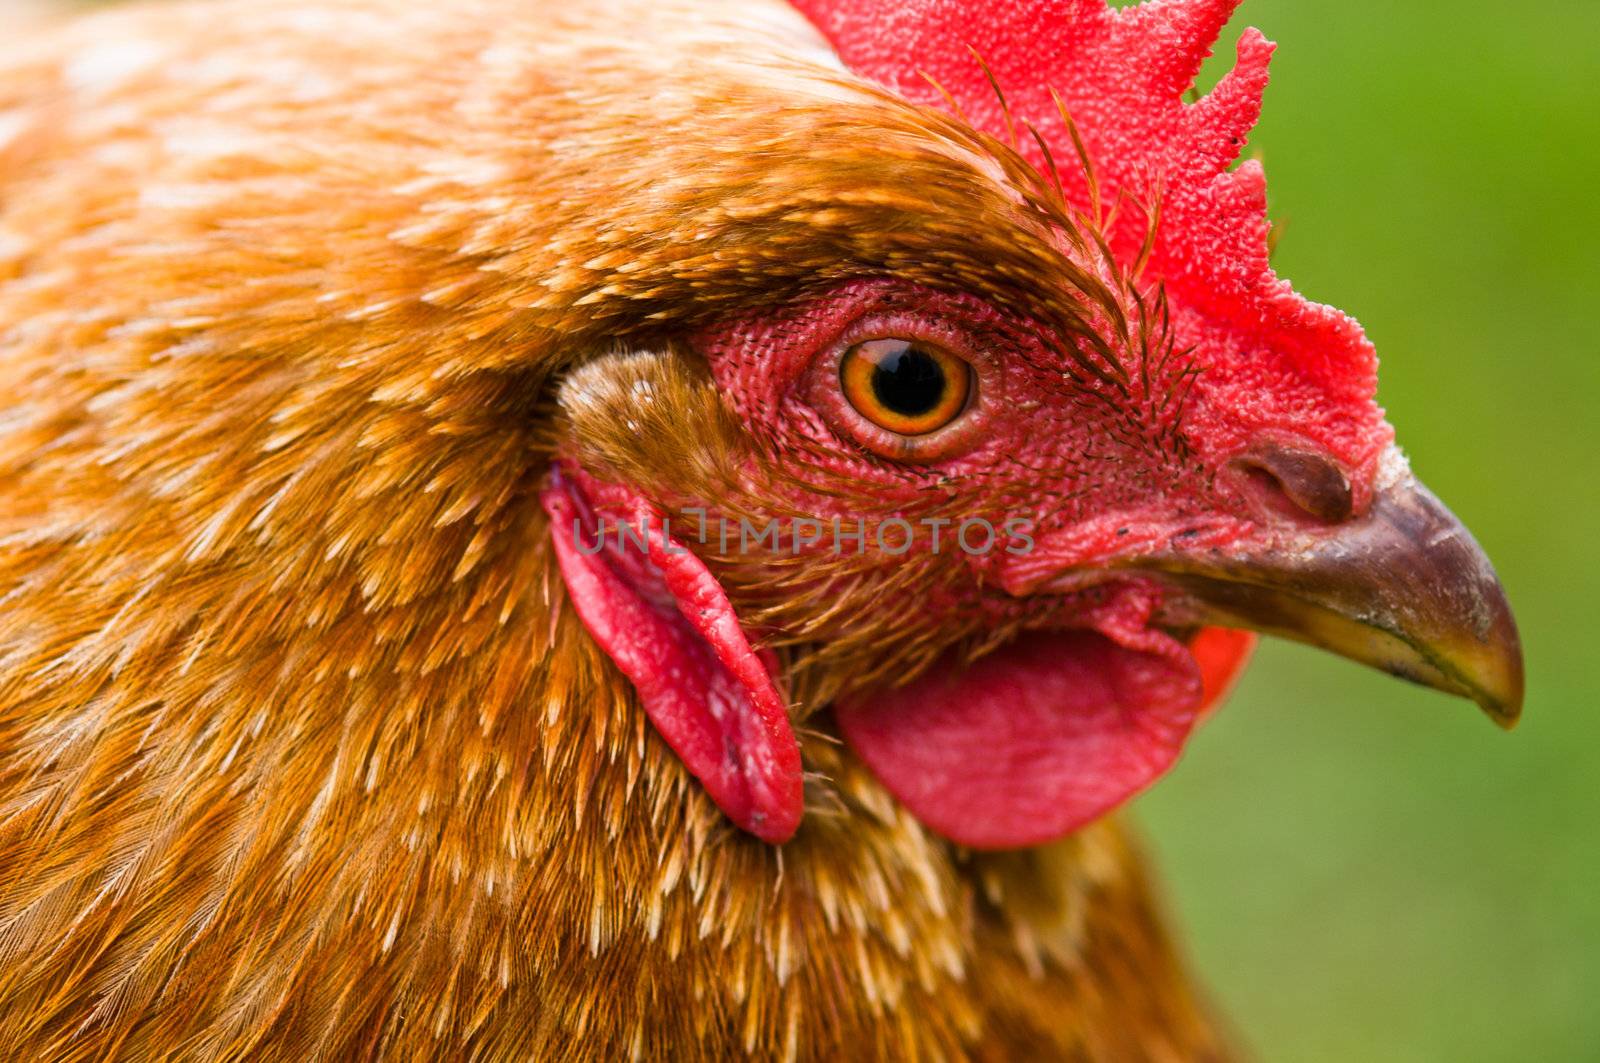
<point>302,752</point>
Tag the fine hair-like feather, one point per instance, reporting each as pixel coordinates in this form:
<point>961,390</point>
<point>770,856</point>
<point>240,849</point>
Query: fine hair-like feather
<point>302,752</point>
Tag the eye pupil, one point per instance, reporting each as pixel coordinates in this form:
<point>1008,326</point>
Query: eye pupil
<point>907,379</point>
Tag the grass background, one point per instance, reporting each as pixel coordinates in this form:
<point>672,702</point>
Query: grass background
<point>1368,871</point>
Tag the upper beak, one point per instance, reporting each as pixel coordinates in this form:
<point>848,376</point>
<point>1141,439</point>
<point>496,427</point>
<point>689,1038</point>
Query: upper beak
<point>1404,588</point>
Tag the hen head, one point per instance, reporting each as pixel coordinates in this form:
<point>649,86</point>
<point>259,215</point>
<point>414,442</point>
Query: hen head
<point>1034,437</point>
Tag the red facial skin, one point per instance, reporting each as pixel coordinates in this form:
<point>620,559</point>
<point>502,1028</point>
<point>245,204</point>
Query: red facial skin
<point>1107,475</point>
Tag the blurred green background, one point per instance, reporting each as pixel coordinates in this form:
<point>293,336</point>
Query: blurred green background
<point>1369,871</point>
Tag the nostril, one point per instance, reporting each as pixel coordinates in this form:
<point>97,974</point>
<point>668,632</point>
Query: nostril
<point>1305,484</point>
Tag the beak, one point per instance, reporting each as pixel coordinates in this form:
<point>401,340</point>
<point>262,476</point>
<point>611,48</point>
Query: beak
<point>1403,588</point>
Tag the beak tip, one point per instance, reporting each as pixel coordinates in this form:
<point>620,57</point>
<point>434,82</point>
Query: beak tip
<point>1503,701</point>
<point>1505,714</point>
<point>1499,679</point>
<point>1488,668</point>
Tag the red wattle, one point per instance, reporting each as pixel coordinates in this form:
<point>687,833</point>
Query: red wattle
<point>1221,653</point>
<point>1031,742</point>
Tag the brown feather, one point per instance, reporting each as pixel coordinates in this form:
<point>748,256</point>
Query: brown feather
<point>302,752</point>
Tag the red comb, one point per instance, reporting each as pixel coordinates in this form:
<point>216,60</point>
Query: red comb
<point>1121,76</point>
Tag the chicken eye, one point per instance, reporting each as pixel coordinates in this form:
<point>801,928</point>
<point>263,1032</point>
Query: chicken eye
<point>905,386</point>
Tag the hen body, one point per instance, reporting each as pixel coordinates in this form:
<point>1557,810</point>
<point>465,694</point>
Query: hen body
<point>302,752</point>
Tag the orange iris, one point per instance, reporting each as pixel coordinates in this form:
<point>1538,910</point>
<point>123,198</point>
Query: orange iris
<point>905,386</point>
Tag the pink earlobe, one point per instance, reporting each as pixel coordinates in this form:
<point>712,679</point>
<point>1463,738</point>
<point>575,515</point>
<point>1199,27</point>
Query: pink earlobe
<point>663,619</point>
